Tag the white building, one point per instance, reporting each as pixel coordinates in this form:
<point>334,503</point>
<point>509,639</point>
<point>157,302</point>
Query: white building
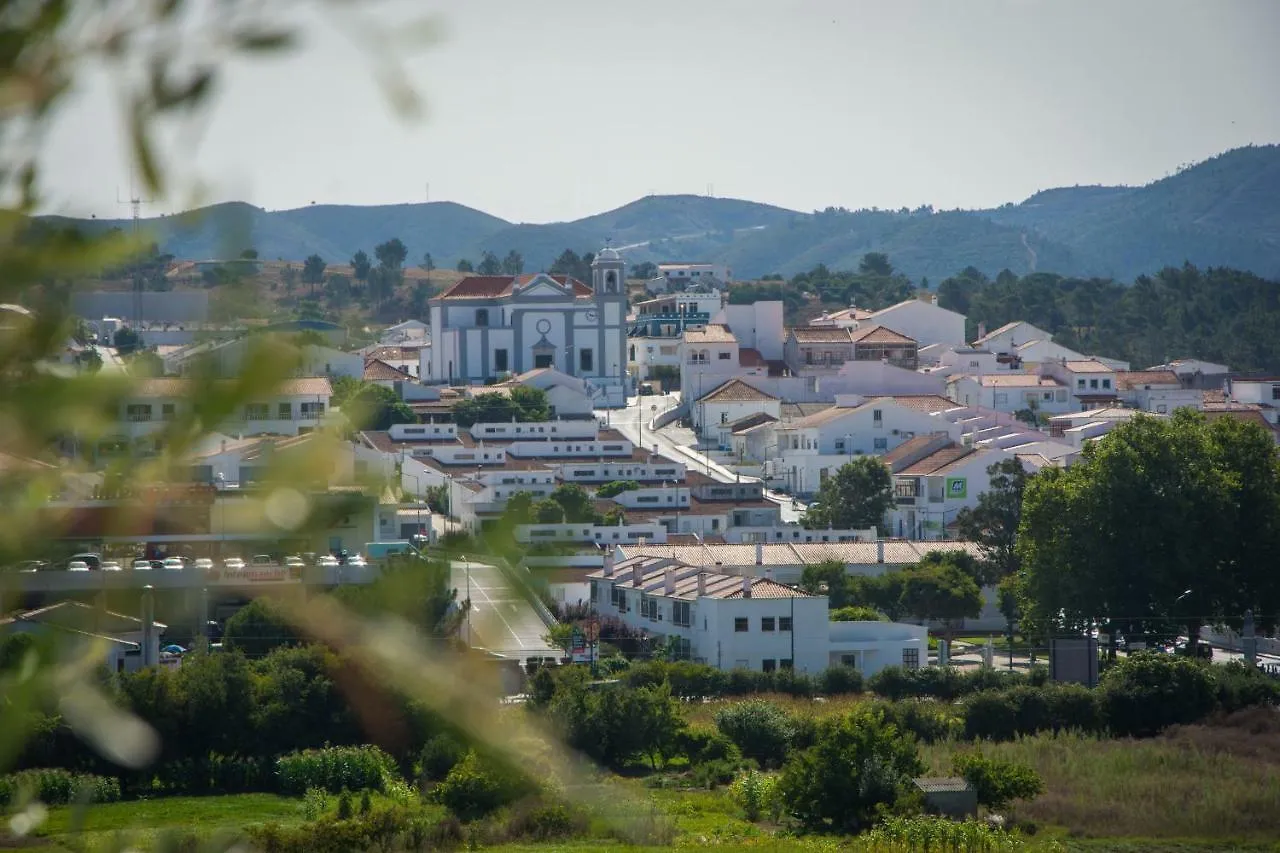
<point>681,274</point>
<point>923,321</point>
<point>709,356</point>
<point>1010,336</point>
<point>934,479</point>
<point>1091,382</point>
<point>1158,391</point>
<point>124,640</point>
<point>1263,392</point>
<point>228,358</point>
<point>1011,392</point>
<point>567,396</point>
<point>744,622</point>
<point>728,403</point>
<point>757,326</point>
<point>410,331</point>
<point>486,327</point>
<point>1195,373</point>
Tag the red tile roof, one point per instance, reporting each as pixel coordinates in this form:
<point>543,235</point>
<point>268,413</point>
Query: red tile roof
<point>1138,378</point>
<point>880,335</point>
<point>737,391</point>
<point>937,462</point>
<point>377,370</point>
<point>500,286</point>
<point>748,357</point>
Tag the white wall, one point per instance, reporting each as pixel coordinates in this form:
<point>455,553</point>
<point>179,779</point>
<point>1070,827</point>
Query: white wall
<point>927,323</point>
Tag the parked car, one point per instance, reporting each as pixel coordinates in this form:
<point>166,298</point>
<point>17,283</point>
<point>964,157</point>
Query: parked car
<point>110,566</point>
<point>294,562</point>
<point>31,565</point>
<point>262,560</point>
<point>357,561</point>
<point>204,563</point>
<point>90,559</point>
<point>142,565</point>
<point>77,566</point>
<point>174,564</point>
<point>233,564</point>
<point>328,561</point>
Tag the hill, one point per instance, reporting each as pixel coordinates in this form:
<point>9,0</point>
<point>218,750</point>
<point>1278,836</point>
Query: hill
<point>1222,212</point>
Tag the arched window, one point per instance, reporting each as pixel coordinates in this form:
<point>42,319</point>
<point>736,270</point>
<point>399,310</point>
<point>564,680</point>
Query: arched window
<point>611,282</point>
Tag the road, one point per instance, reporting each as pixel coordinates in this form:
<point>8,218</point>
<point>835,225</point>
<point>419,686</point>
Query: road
<point>627,421</point>
<point>501,620</point>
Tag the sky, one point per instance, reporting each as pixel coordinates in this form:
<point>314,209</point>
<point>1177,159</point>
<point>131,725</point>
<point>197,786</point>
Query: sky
<point>553,110</point>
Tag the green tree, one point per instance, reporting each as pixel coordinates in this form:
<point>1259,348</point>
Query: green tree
<point>145,363</point>
<point>522,404</point>
<point>993,524</point>
<point>257,628</point>
<point>1160,526</point>
<point>489,264</point>
<point>126,340</point>
<point>829,578</point>
<point>375,407</point>
<point>761,729</point>
<point>428,264</point>
<point>578,505</point>
<point>289,277</point>
<point>313,272</point>
<point>89,361</point>
<point>465,265</point>
<point>997,783</point>
<point>337,290</point>
<point>856,614</point>
<point>616,487</point>
<point>858,766</point>
<point>939,588</point>
<point>875,263</point>
<point>547,512</point>
<point>855,497</point>
<point>361,266</point>
<point>644,270</point>
<point>513,263</point>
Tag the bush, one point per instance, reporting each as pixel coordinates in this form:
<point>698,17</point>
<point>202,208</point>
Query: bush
<point>1005,714</point>
<point>712,774</point>
<point>1240,686</point>
<point>216,774</point>
<point>335,769</point>
<point>56,787</point>
<point>757,795</point>
<point>1146,693</point>
<point>473,789</point>
<point>840,680</point>
<point>761,729</point>
<point>701,746</point>
<point>928,722</point>
<point>539,821</point>
<point>923,832</point>
<point>997,783</point>
<point>439,755</point>
<point>858,768</point>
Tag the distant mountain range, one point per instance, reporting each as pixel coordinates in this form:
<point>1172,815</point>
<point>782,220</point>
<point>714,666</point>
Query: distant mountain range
<point>1222,212</point>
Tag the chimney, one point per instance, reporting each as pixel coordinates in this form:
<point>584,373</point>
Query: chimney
<point>982,330</point>
<point>746,586</point>
<point>148,626</point>
<point>608,564</point>
<point>759,553</point>
<point>702,584</point>
<point>669,581</point>
<point>636,576</point>
<point>879,550</point>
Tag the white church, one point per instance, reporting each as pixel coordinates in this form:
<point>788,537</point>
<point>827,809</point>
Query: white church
<point>487,327</point>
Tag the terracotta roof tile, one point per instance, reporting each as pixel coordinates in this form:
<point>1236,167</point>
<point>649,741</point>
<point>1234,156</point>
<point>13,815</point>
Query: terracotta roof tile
<point>879,335</point>
<point>710,334</point>
<point>737,391</point>
<point>500,286</point>
<point>821,335</point>
<point>1018,380</point>
<point>1138,378</point>
<point>929,403</point>
<point>377,370</point>
<point>936,462</point>
<point>1089,365</point>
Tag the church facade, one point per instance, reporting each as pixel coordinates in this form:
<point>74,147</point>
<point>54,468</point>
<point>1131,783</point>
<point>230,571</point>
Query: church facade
<point>487,327</point>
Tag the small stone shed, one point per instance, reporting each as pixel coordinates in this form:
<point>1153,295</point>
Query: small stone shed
<point>950,796</point>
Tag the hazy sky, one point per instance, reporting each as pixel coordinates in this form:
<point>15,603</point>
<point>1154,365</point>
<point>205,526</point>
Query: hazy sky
<point>550,110</point>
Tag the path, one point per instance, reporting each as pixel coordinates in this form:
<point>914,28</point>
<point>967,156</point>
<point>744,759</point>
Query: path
<point>501,620</point>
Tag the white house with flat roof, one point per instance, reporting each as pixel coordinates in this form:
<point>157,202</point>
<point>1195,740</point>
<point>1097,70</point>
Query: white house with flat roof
<point>745,622</point>
<point>681,274</point>
<point>1011,392</point>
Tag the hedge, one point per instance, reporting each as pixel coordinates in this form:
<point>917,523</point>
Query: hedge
<point>56,787</point>
<point>334,769</point>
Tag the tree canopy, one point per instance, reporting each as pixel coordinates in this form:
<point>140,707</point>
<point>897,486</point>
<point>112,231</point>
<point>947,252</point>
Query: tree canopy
<point>855,497</point>
<point>993,523</point>
<point>1165,524</point>
<point>521,404</point>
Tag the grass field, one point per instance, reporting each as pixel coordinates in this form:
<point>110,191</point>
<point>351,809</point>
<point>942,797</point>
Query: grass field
<point>1194,783</point>
<point>703,714</point>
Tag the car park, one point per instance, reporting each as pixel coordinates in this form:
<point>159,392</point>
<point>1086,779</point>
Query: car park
<point>233,564</point>
<point>262,561</point>
<point>141,565</point>
<point>77,566</point>
<point>110,566</point>
<point>89,558</point>
<point>357,561</point>
<point>203,563</point>
<point>328,561</point>
<point>174,564</point>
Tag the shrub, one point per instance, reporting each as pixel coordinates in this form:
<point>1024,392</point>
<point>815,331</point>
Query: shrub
<point>858,768</point>
<point>438,757</point>
<point>1146,693</point>
<point>335,769</point>
<point>539,821</point>
<point>56,787</point>
<point>1005,714</point>
<point>712,774</point>
<point>923,832</point>
<point>794,683</point>
<point>839,680</point>
<point>757,795</point>
<point>472,789</point>
<point>315,803</point>
<point>702,745</point>
<point>344,806</point>
<point>215,774</point>
<point>1240,686</point>
<point>997,783</point>
<point>928,722</point>
<point>761,729</point>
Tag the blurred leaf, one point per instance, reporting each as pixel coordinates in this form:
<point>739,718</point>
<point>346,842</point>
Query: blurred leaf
<point>264,40</point>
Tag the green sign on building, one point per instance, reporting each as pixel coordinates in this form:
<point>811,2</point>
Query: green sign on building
<point>957,487</point>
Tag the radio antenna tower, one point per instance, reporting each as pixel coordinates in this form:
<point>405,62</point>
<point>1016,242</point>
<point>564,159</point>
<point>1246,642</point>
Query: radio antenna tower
<point>135,203</point>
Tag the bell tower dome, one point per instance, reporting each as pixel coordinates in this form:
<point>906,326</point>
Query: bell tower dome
<point>608,273</point>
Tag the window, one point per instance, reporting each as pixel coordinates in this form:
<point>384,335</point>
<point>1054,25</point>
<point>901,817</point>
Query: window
<point>1106,383</point>
<point>256,412</point>
<point>284,412</point>
<point>1275,392</point>
<point>877,417</point>
<point>784,623</point>
<point>724,417</point>
<point>881,444</point>
<point>586,360</point>
<point>911,658</point>
<point>680,613</point>
<point>1047,396</point>
<point>1162,409</point>
<point>138,412</point>
<point>167,412</point>
<point>312,411</point>
<point>1079,384</point>
<point>500,360</point>
<point>974,364</point>
<point>766,623</point>
<point>725,356</point>
<point>740,625</point>
<point>541,360</point>
<point>1000,398</point>
<point>482,317</point>
<point>769,664</point>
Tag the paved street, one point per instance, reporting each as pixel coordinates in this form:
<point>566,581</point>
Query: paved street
<point>677,443</point>
<point>501,620</point>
